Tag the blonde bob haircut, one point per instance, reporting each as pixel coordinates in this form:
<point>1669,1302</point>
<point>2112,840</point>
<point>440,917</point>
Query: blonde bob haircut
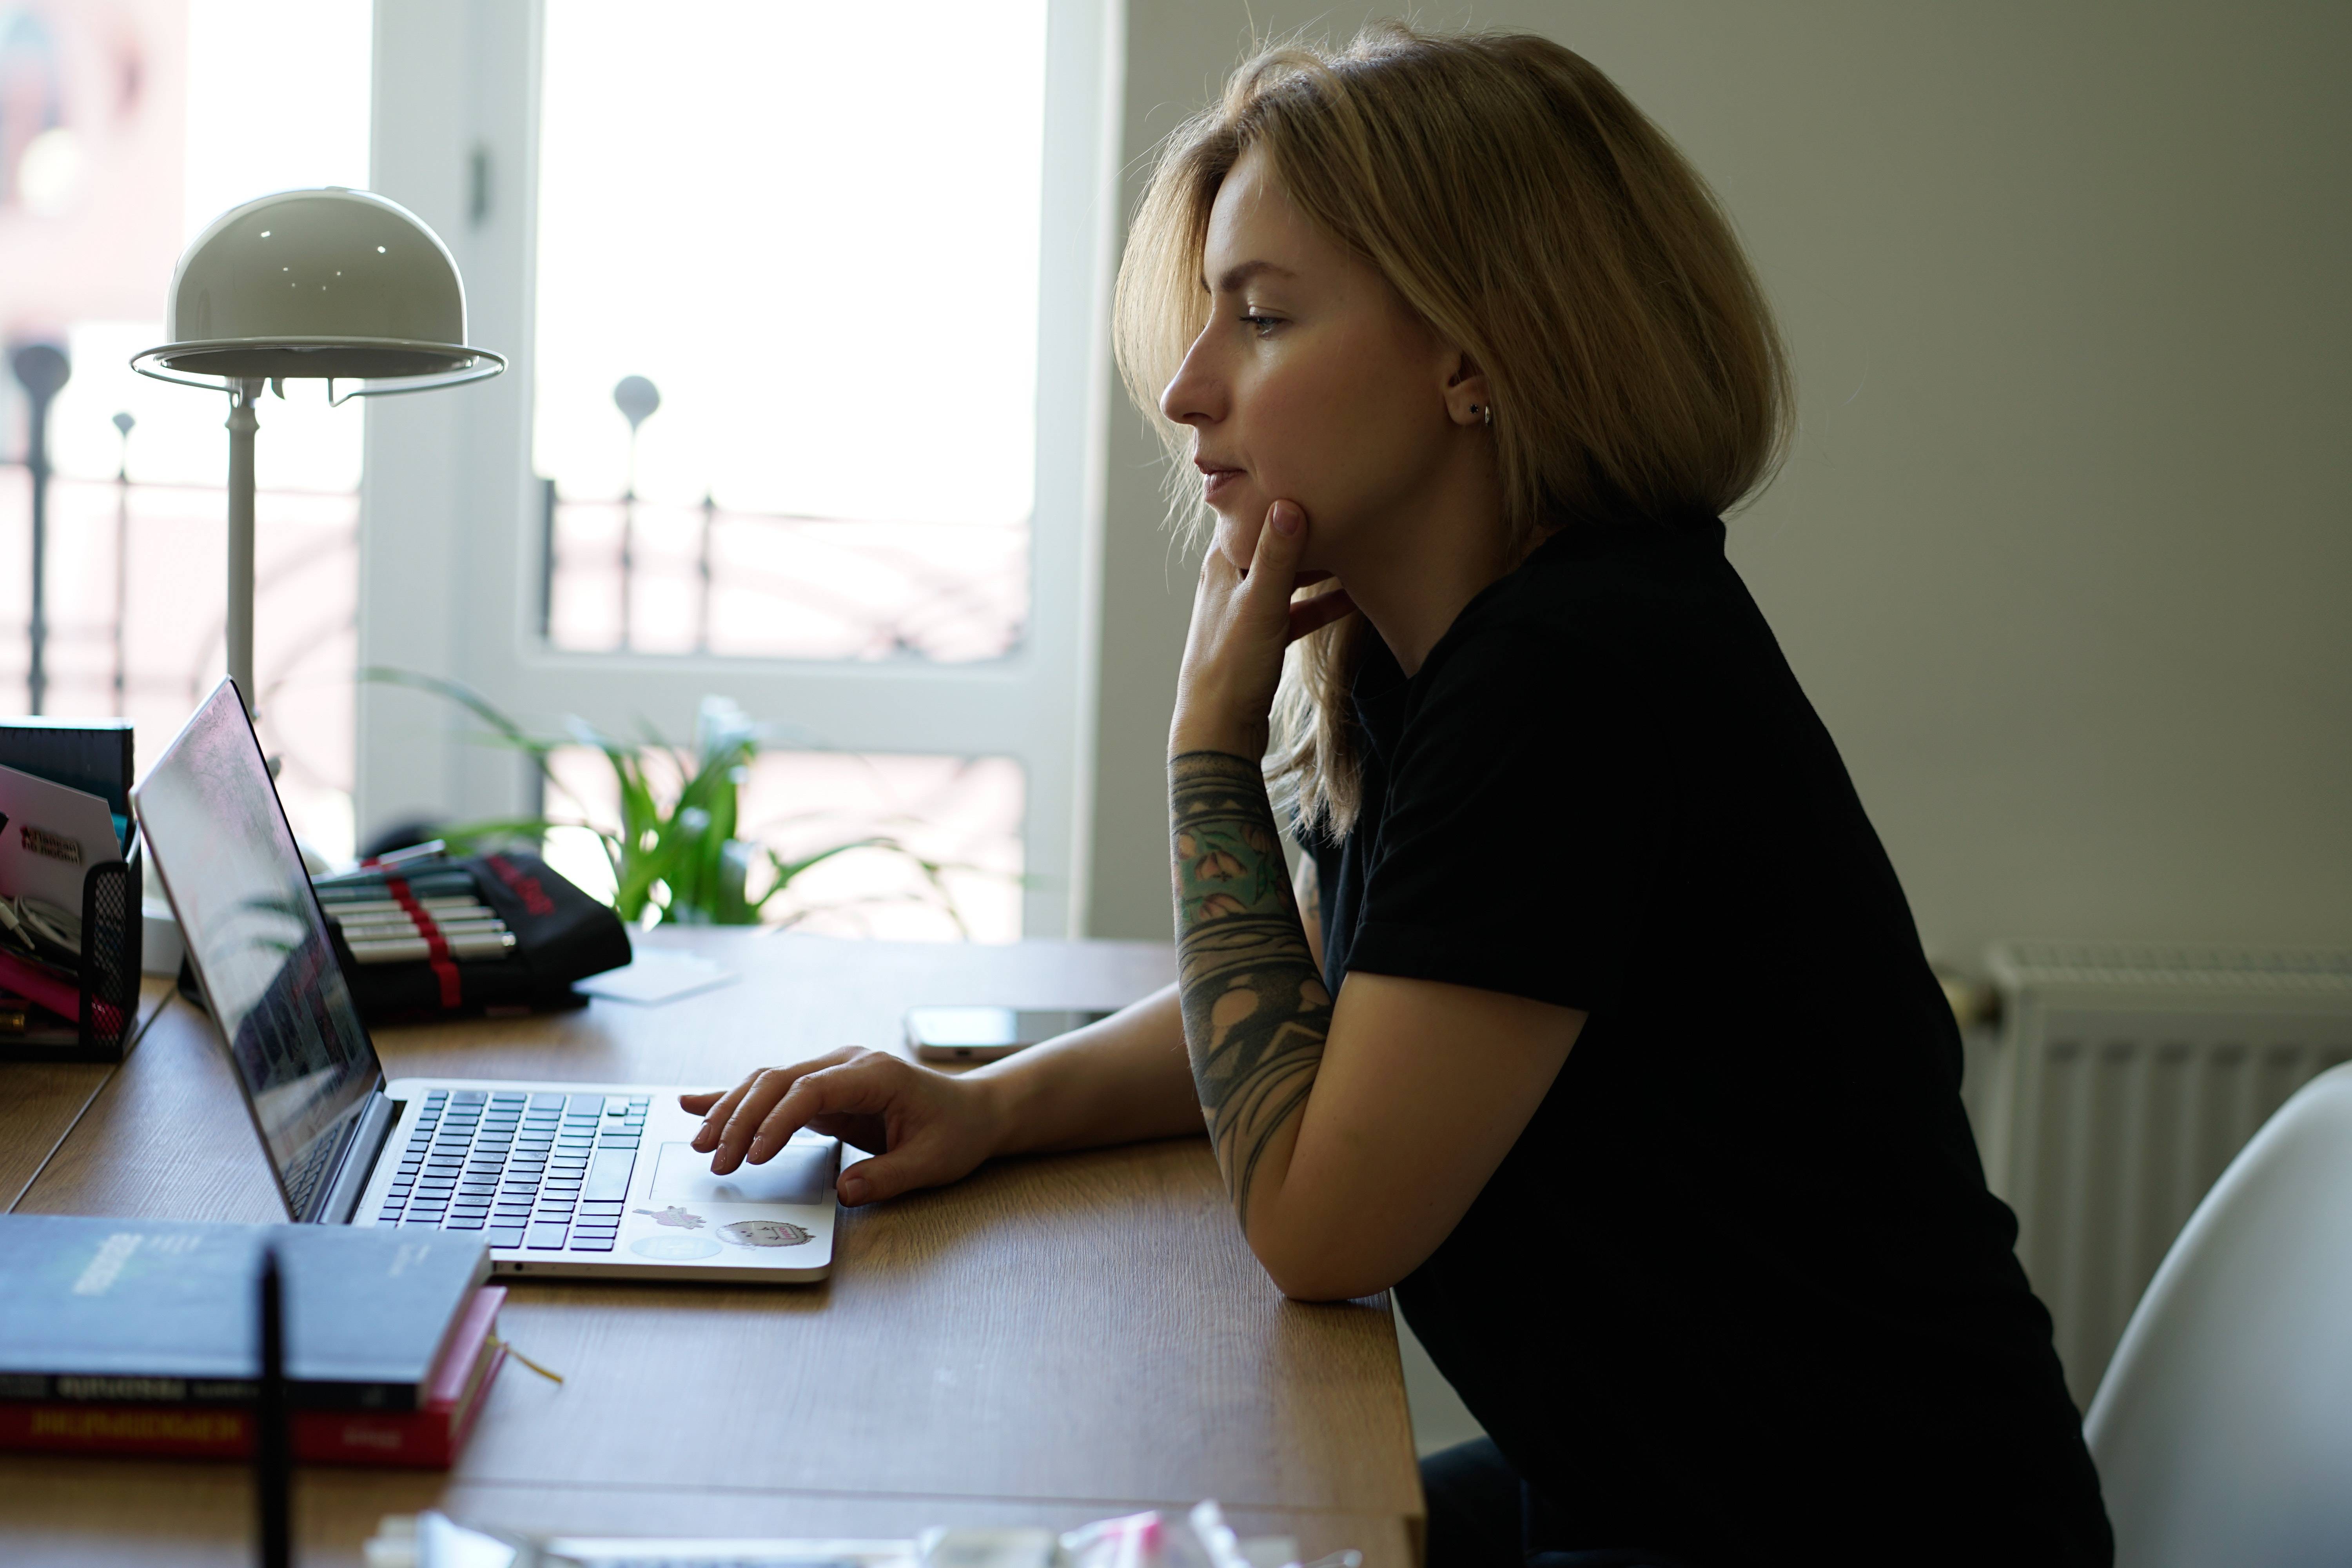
<point>1523,208</point>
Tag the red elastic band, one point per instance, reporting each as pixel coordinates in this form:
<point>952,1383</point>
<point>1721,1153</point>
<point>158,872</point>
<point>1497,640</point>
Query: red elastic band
<point>436,950</point>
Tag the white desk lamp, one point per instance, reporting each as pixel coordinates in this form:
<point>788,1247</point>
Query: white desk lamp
<point>330,283</point>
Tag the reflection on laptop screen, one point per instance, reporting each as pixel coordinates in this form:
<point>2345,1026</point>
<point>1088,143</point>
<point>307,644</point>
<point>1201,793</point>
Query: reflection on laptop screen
<point>255,935</point>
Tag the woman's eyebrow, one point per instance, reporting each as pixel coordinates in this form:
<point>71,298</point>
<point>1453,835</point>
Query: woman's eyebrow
<point>1241,272</point>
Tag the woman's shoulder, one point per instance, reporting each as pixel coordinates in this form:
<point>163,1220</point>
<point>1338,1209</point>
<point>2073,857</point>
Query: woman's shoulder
<point>1619,601</point>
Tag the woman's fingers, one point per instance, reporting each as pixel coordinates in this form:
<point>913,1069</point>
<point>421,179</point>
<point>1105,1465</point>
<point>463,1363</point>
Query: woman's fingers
<point>1313,614</point>
<point>1252,606</point>
<point>929,1144</point>
<point>696,1104</point>
<point>1242,620</point>
<point>1274,571</point>
<point>1232,547</point>
<point>760,1096</point>
<point>934,1137</point>
<point>863,1086</point>
<point>1274,567</point>
<point>899,1171</point>
<point>737,1117</point>
<point>935,1131</point>
<point>714,1121</point>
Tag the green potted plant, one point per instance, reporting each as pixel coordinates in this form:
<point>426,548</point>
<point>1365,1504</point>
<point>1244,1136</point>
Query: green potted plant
<point>677,854</point>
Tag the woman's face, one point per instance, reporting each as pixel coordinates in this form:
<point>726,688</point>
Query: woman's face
<point>1312,381</point>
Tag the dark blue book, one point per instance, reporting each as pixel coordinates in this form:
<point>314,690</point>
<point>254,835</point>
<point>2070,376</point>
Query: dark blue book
<point>92,755</point>
<point>165,1312</point>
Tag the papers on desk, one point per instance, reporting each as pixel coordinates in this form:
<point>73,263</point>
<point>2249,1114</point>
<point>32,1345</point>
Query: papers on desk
<point>432,1539</point>
<point>52,836</point>
<point>657,975</point>
<point>1200,1539</point>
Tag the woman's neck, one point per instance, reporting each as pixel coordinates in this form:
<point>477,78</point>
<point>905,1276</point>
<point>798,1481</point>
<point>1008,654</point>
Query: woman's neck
<point>1433,556</point>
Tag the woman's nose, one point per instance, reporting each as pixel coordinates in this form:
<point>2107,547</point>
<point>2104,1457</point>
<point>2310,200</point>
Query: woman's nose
<point>1195,396</point>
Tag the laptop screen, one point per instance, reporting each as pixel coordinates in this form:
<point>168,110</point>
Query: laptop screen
<point>258,944</point>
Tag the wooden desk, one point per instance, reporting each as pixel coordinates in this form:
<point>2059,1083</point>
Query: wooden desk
<point>40,1101</point>
<point>1051,1341</point>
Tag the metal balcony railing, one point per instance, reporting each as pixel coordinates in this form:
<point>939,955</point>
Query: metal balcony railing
<point>135,587</point>
<point>628,574</point>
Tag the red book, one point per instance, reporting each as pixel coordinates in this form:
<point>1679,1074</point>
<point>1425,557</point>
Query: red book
<point>427,1437</point>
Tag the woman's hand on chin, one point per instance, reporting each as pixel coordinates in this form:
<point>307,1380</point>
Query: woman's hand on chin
<point>1242,620</point>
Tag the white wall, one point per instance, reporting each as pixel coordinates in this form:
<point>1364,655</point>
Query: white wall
<point>2063,553</point>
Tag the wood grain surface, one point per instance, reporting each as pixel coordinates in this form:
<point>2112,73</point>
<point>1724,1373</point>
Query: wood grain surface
<point>1069,1336</point>
<point>40,1101</point>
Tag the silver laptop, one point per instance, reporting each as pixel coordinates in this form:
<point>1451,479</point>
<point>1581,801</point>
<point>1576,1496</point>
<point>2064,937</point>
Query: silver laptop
<point>556,1178</point>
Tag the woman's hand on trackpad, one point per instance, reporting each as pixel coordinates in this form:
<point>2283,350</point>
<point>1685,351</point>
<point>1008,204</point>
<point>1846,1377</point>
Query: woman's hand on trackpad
<point>924,1129</point>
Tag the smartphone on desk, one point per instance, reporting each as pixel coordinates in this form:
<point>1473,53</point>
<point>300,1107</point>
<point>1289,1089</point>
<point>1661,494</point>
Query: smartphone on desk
<point>984,1034</point>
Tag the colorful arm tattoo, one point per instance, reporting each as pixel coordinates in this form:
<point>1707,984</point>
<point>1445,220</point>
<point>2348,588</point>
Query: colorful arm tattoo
<point>1256,1010</point>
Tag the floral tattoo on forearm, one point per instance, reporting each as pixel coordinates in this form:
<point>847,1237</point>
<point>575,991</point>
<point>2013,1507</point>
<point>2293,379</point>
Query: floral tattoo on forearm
<point>1256,1010</point>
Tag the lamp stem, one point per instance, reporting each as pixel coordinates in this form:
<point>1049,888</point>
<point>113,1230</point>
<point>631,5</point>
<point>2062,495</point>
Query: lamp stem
<point>122,424</point>
<point>42,370</point>
<point>242,424</point>
<point>37,467</point>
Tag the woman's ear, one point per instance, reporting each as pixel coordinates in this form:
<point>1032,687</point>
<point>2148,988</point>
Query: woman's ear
<point>1466,398</point>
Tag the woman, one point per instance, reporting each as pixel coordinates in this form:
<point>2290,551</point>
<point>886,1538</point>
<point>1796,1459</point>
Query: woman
<point>1598,1028</point>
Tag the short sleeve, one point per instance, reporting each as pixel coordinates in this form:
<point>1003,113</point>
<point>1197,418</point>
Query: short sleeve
<point>1529,826</point>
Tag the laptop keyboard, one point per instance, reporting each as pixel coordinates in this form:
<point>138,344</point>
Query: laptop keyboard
<point>547,1173</point>
<point>309,1172</point>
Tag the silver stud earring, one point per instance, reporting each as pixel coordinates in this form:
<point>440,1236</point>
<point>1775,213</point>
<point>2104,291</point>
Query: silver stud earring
<point>1486,412</point>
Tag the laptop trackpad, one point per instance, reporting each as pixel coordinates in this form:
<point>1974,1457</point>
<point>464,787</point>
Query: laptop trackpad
<point>801,1173</point>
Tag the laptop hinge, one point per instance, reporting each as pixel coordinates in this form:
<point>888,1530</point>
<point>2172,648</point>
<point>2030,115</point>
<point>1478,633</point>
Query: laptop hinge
<point>359,1160</point>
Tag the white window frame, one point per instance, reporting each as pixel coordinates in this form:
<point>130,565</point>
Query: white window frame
<point>450,515</point>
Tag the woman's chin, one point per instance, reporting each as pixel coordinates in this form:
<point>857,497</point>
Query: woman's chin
<point>1236,503</point>
<point>1236,535</point>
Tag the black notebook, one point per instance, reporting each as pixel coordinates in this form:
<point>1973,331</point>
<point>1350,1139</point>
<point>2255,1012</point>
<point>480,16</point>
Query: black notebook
<point>165,1312</point>
<point>92,755</point>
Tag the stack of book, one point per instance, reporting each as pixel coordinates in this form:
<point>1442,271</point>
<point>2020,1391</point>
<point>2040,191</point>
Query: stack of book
<point>142,1337</point>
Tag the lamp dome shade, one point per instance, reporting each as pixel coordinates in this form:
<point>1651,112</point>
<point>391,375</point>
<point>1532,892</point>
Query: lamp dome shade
<point>320,283</point>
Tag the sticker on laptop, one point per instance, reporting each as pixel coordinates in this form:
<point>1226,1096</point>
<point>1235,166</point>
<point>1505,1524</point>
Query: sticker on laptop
<point>763,1233</point>
<point>675,1216</point>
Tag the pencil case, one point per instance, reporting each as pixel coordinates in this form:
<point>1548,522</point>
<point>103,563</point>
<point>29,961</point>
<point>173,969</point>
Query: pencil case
<point>445,938</point>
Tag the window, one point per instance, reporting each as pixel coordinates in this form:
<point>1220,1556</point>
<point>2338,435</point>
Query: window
<point>862,508</point>
<point>831,291</point>
<point>123,131</point>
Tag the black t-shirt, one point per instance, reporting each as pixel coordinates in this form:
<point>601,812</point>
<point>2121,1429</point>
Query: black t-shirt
<point>1739,1290</point>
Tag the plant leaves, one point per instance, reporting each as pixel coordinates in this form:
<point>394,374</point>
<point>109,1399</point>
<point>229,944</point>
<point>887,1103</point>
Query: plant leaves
<point>675,851</point>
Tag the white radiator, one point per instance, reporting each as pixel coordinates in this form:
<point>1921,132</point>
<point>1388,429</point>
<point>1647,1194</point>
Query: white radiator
<point>2122,1079</point>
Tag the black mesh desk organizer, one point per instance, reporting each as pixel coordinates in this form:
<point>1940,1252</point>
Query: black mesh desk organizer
<point>108,982</point>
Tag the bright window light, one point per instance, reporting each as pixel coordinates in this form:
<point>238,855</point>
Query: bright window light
<point>168,115</point>
<point>814,230</point>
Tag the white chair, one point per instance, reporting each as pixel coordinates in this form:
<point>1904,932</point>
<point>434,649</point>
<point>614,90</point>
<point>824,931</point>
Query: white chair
<point>2224,1428</point>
